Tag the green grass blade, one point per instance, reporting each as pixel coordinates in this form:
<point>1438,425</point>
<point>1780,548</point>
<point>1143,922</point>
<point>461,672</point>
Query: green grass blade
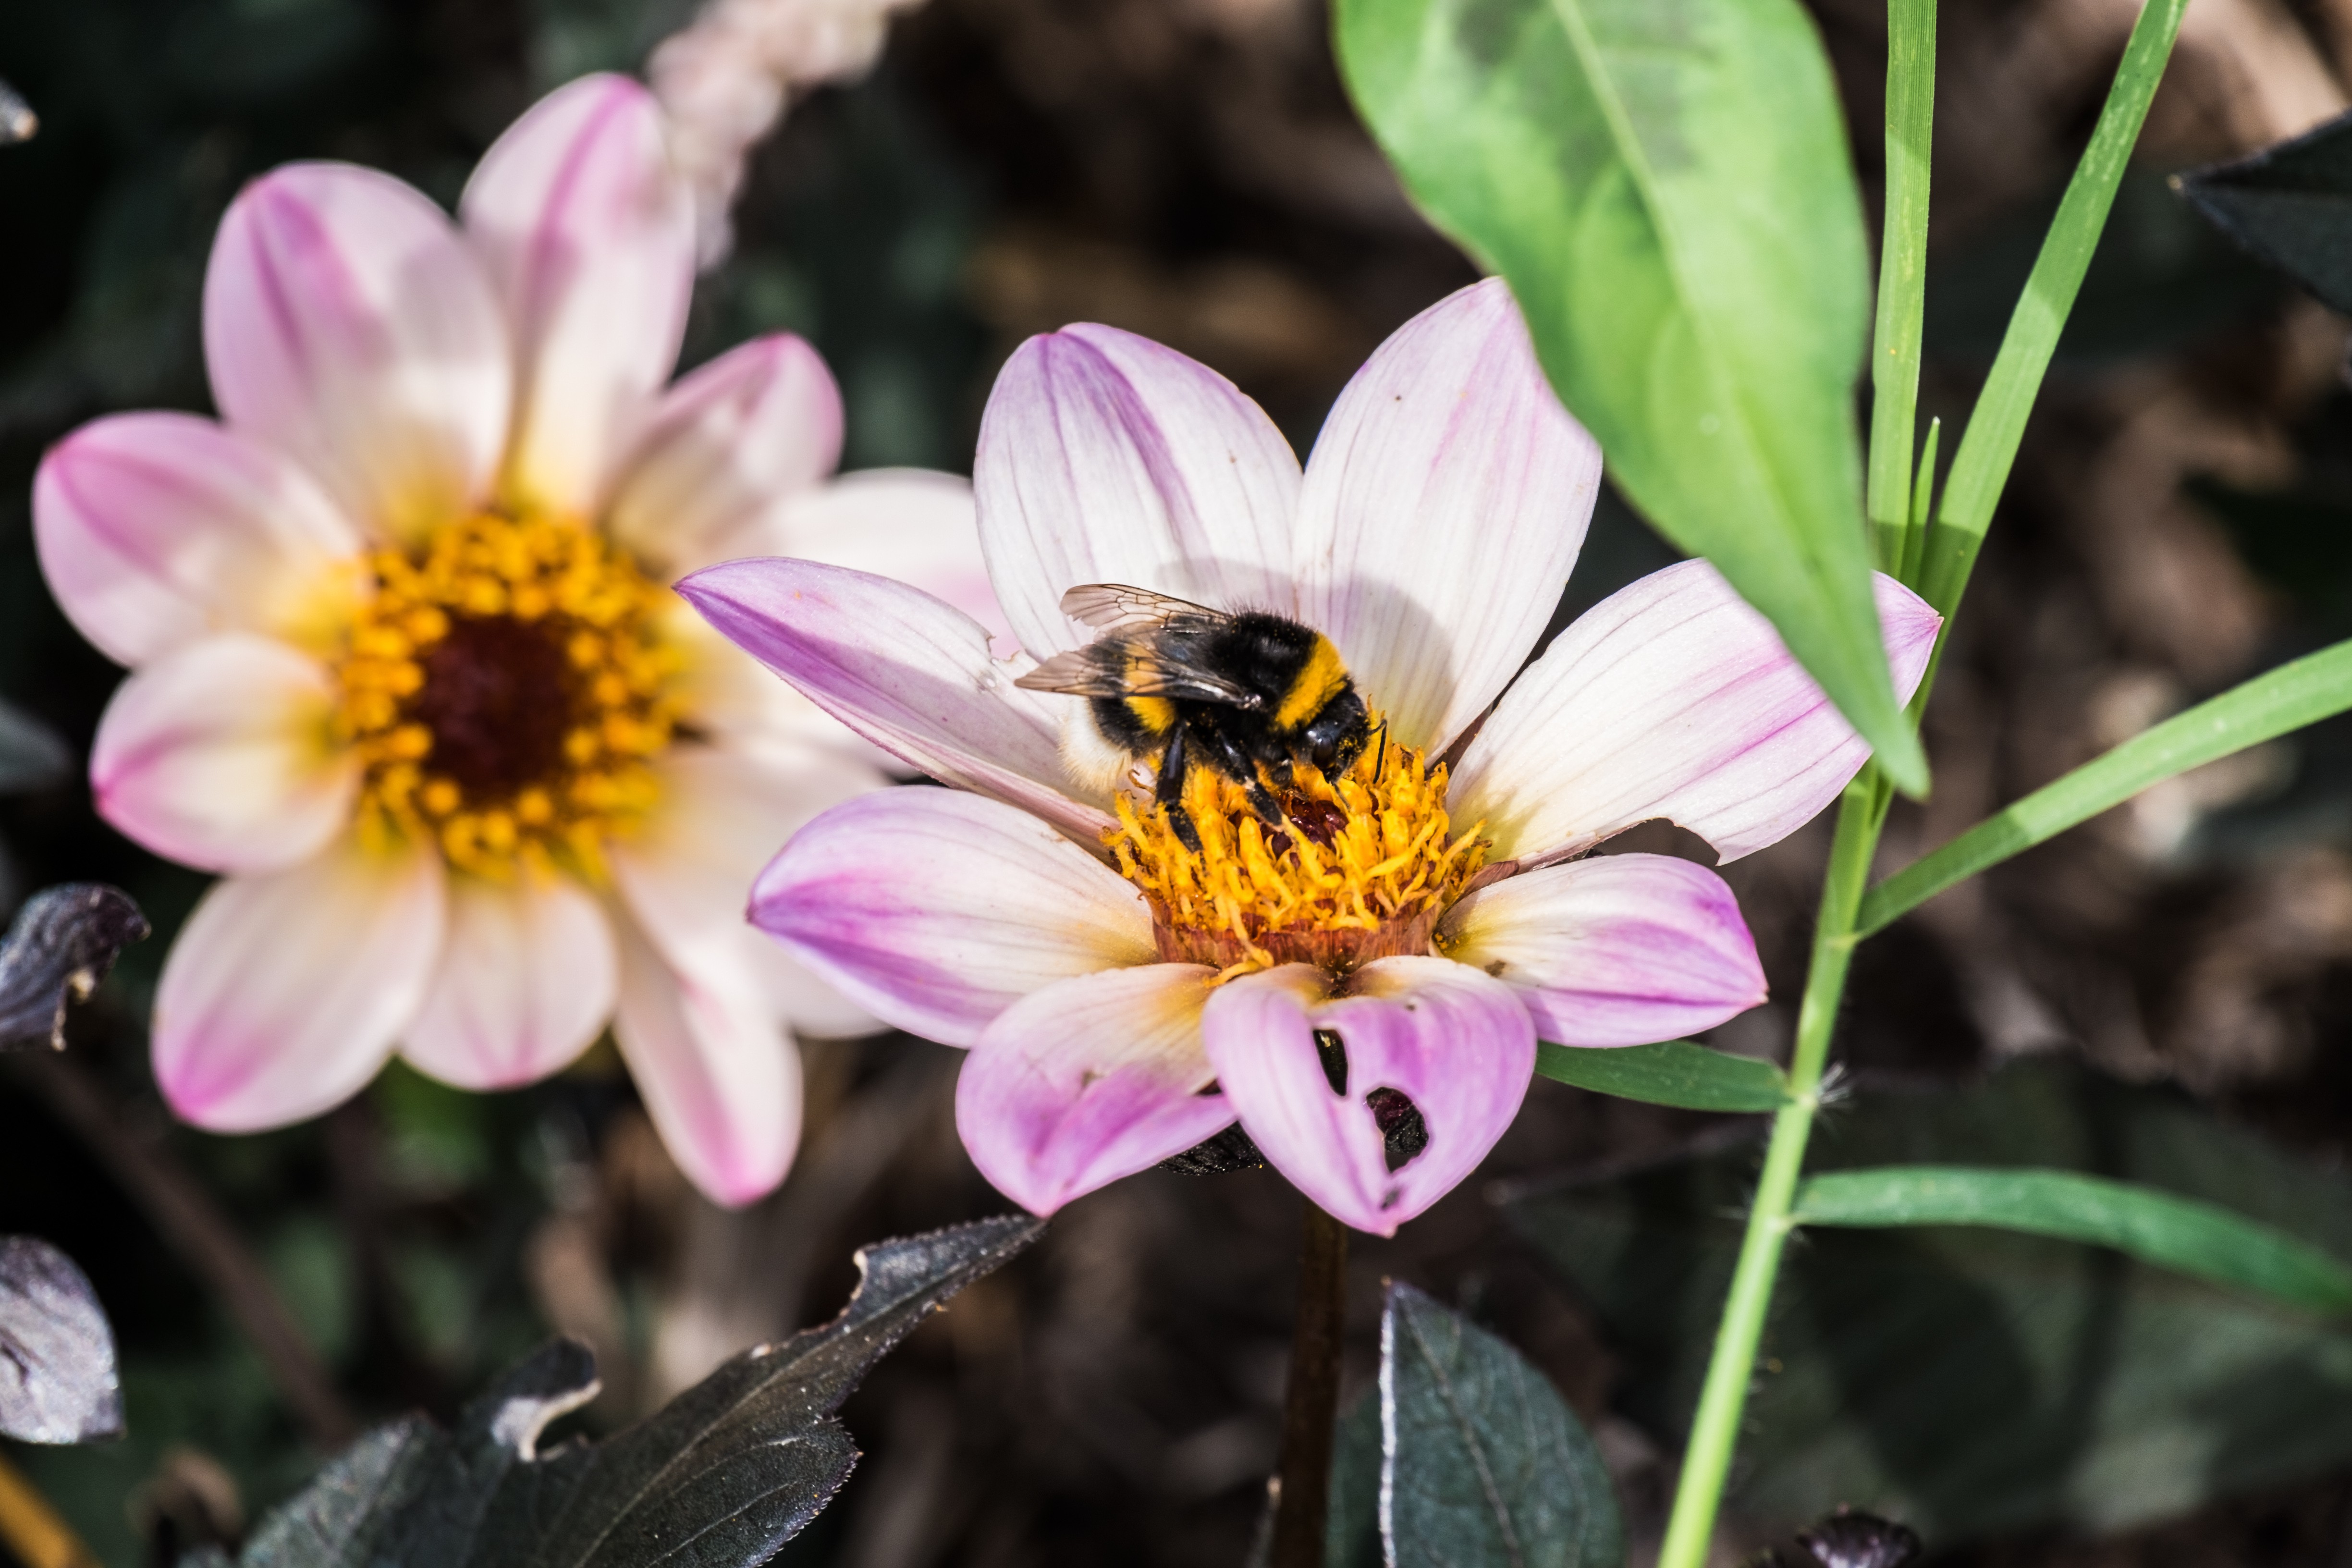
<point>1677,1073</point>
<point>1901,272</point>
<point>1988,448</point>
<point>2305,692</point>
<point>2188,1237</point>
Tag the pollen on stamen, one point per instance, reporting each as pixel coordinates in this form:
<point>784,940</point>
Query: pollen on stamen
<point>1361,869</point>
<point>505,690</point>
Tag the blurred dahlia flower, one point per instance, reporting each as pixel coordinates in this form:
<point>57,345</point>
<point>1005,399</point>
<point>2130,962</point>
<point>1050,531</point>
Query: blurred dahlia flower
<point>1363,987</point>
<point>405,667</point>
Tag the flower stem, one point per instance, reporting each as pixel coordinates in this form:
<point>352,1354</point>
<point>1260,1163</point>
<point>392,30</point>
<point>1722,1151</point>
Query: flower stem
<point>1311,1400</point>
<point>1715,1429</point>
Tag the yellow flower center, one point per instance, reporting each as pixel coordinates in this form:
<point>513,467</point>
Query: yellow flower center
<point>505,689</point>
<point>1362,870</point>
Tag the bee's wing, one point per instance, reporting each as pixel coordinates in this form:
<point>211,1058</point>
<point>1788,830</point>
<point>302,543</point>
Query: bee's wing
<point>1118,605</point>
<point>1132,666</point>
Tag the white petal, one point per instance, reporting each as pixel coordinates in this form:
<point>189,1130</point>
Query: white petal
<point>1105,458</point>
<point>756,425</point>
<point>526,981</point>
<point>220,755</point>
<point>1674,698</point>
<point>913,525</point>
<point>158,529</point>
<point>284,992</point>
<point>1444,506</point>
<point>937,910</point>
<point>720,1077</point>
<point>347,324</point>
<point>588,234</point>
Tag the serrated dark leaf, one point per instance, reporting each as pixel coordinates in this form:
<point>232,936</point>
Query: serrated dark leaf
<point>1485,1463</point>
<point>32,756</point>
<point>58,1381</point>
<point>2290,205</point>
<point>60,946</point>
<point>1972,1381</point>
<point>719,1477</point>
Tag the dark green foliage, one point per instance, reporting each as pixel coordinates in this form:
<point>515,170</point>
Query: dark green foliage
<point>2290,205</point>
<point>719,1477</point>
<point>58,948</point>
<point>1970,1381</point>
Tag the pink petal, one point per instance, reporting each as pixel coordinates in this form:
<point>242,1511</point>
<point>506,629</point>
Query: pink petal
<point>1089,1079</point>
<point>588,234</point>
<point>1455,1043</point>
<point>526,981</point>
<point>683,873</point>
<point>158,529</point>
<point>754,426</point>
<point>936,910</point>
<point>1444,506</point>
<point>1618,950</point>
<point>913,525</point>
<point>908,672</point>
<point>1672,699</point>
<point>219,755</point>
<point>719,1076</point>
<point>346,323</point>
<point>1105,458</point>
<point>284,992</point>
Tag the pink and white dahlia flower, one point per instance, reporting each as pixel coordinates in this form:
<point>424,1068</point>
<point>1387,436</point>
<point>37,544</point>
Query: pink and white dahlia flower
<point>404,669</point>
<point>1400,943</point>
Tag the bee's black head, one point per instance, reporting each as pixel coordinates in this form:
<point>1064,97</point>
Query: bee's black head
<point>1335,737</point>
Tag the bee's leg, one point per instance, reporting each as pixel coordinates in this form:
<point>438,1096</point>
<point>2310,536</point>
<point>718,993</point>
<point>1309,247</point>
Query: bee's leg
<point>1229,759</point>
<point>1168,791</point>
<point>1381,764</point>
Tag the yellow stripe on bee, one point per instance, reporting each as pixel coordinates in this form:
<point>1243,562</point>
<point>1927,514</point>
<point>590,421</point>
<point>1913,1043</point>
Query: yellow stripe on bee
<point>1156,714</point>
<point>1319,681</point>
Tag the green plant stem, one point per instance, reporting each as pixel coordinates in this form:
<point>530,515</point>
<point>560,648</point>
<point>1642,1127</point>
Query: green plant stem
<point>1714,1431</point>
<point>1902,274</point>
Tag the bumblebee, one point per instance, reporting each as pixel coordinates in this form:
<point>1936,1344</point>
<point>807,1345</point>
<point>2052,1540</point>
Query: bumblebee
<point>1183,685</point>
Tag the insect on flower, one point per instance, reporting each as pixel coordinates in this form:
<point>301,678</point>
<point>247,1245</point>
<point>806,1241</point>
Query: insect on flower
<point>406,668</point>
<point>1317,936</point>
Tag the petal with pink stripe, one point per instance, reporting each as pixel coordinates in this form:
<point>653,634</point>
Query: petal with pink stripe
<point>525,983</point>
<point>1674,698</point>
<point>907,671</point>
<point>587,231</point>
<point>1089,1079</point>
<point>284,992</point>
<point>158,529</point>
<point>347,324</point>
<point>935,911</point>
<point>1444,504</point>
<point>1616,950</point>
<point>220,754</point>
<point>1105,458</point>
<point>1453,1042</point>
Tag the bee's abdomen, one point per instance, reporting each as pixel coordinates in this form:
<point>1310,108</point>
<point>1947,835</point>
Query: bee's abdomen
<point>1137,725</point>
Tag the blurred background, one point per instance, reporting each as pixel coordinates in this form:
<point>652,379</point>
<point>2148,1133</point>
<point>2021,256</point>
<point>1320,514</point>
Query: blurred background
<point>2167,990</point>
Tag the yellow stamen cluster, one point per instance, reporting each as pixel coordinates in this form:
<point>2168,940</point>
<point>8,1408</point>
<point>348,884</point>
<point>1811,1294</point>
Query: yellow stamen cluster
<point>1362,870</point>
<point>505,689</point>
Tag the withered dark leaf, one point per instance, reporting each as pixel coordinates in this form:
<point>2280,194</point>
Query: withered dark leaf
<point>58,1381</point>
<point>1848,1539</point>
<point>60,946</point>
<point>719,1477</point>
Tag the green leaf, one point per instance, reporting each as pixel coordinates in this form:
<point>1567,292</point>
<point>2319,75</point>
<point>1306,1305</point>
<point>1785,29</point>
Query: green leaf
<point>1676,1073</point>
<point>1988,445</point>
<point>1351,1534</point>
<point>2176,1233</point>
<point>1485,1464</point>
<point>1666,186</point>
<point>2301,692</point>
<point>2290,205</point>
<point>1902,275</point>
<point>722,1477</point>
<point>1973,1381</point>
